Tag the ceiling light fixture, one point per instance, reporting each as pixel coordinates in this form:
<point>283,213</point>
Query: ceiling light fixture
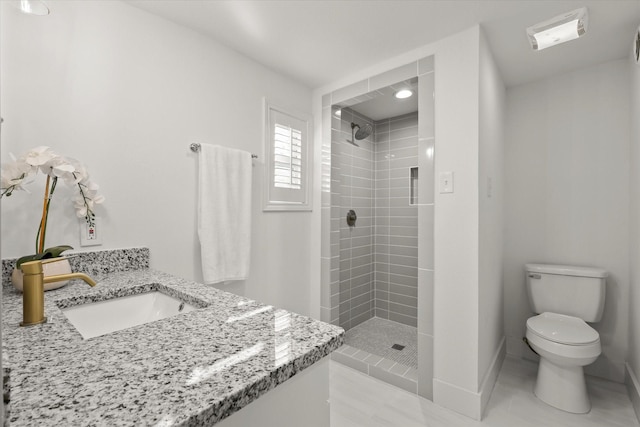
<point>403,94</point>
<point>32,7</point>
<point>560,29</point>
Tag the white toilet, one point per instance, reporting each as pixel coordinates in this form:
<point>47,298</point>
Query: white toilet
<point>567,297</point>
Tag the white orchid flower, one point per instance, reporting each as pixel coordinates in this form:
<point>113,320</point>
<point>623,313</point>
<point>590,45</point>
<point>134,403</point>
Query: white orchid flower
<point>15,175</point>
<point>66,172</point>
<point>81,211</point>
<point>81,173</point>
<point>39,156</point>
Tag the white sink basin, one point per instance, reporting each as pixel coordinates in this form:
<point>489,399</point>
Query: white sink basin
<point>100,318</point>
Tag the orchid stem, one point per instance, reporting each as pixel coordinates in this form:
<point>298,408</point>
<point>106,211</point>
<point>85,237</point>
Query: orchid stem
<point>43,220</point>
<point>46,218</point>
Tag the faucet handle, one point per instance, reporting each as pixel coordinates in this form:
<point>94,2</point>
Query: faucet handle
<point>31,267</point>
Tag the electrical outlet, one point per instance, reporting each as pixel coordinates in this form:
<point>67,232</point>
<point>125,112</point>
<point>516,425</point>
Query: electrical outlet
<point>90,235</point>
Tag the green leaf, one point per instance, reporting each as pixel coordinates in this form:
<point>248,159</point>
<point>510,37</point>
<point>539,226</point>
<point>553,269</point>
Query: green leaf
<point>56,250</point>
<point>53,252</point>
<point>27,258</point>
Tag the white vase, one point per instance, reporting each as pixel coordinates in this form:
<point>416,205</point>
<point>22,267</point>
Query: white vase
<point>50,268</point>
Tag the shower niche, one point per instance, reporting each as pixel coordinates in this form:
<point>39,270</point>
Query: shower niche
<point>381,271</point>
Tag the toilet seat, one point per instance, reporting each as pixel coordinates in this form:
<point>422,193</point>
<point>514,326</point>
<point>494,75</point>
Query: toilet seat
<point>562,329</point>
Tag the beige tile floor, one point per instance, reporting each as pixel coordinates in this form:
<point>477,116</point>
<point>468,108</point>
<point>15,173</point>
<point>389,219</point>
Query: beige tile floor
<point>358,400</point>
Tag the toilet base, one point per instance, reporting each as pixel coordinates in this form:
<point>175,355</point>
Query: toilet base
<point>562,387</point>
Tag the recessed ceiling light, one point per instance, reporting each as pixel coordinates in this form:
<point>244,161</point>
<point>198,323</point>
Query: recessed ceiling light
<point>560,29</point>
<point>32,7</point>
<point>338,113</point>
<point>403,94</point>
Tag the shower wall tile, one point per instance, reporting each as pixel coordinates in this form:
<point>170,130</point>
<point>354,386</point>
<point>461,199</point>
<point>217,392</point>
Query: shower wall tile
<point>404,162</point>
<point>357,185</point>
<point>381,313</point>
<point>336,121</point>
<point>406,221</point>
<point>401,318</point>
<point>426,106</point>
<point>426,151</point>
<point>425,302</point>
<point>361,241</point>
<point>425,235</point>
<point>325,226</point>
<point>410,142</point>
<point>403,300</point>
<point>404,211</point>
<point>382,286</point>
<point>399,281</point>
<point>379,257</point>
<point>402,270</point>
<point>396,219</point>
<point>406,290</point>
<point>403,122</point>
<point>381,128</point>
<point>325,286</point>
<point>403,133</point>
<point>403,241</point>
<point>409,151</point>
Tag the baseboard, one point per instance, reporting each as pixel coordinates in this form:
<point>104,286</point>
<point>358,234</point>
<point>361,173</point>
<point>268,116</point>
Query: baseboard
<point>491,375</point>
<point>457,399</point>
<point>466,402</point>
<point>633,388</point>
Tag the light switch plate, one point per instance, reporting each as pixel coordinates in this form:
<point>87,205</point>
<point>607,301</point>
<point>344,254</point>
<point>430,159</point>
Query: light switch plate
<point>446,182</point>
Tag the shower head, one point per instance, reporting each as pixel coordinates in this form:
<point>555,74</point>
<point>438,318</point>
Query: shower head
<point>362,132</point>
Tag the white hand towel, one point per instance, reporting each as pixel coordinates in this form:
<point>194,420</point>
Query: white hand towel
<point>224,213</point>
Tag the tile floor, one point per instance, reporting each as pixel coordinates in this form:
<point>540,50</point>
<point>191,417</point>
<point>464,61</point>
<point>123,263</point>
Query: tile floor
<point>377,336</point>
<point>369,349</point>
<point>358,400</point>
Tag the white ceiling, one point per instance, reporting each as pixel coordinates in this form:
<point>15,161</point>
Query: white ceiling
<point>319,42</point>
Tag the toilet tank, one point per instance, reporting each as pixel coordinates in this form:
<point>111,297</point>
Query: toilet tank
<point>565,289</point>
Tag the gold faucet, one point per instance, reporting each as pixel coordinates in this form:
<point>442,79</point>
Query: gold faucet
<point>33,290</point>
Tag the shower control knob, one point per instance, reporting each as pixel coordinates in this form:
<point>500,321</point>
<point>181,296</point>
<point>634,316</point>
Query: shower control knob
<point>351,218</point>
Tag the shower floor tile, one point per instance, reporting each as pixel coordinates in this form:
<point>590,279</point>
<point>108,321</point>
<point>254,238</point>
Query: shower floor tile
<point>377,336</point>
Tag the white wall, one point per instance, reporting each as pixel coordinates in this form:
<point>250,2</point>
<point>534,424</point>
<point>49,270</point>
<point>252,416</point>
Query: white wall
<point>634,239</point>
<point>490,199</point>
<point>567,194</point>
<point>456,216</point>
<point>468,233</point>
<point>126,92</point>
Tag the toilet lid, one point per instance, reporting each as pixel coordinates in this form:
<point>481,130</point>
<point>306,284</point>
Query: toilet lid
<point>562,329</point>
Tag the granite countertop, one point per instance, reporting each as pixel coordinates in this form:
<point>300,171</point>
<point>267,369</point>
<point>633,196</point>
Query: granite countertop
<point>192,369</point>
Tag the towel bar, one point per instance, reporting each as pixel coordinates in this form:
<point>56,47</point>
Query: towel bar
<point>195,147</point>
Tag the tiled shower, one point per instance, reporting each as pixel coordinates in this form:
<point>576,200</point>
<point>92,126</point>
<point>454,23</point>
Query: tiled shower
<point>377,278</point>
<point>379,255</point>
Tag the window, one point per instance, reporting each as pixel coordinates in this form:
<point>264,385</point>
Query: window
<point>288,153</point>
<point>287,157</point>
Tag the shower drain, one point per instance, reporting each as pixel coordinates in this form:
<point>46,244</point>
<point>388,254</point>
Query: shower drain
<point>397,347</point>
